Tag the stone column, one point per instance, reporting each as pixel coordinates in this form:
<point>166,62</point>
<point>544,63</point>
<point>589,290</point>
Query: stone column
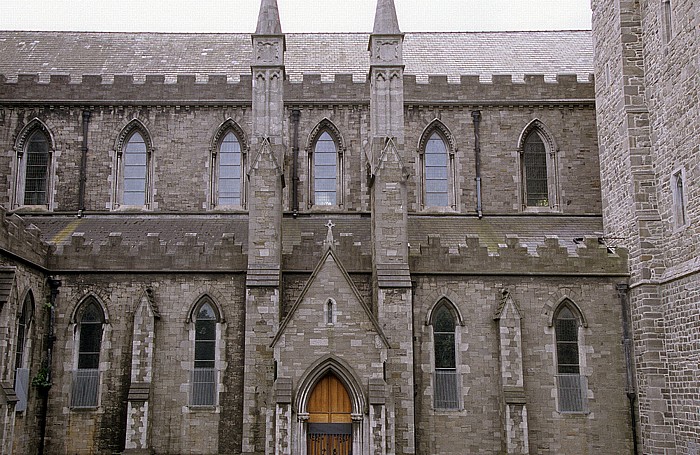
<point>511,357</point>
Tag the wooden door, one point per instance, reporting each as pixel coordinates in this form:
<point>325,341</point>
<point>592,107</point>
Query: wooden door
<point>330,423</point>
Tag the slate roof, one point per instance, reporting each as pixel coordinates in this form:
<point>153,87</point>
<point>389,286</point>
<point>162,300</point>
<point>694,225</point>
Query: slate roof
<point>450,53</point>
<point>453,230</point>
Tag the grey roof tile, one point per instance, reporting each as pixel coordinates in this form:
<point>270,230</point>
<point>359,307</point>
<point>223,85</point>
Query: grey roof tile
<point>450,53</point>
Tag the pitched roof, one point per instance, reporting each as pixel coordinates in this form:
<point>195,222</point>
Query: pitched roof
<point>450,53</point>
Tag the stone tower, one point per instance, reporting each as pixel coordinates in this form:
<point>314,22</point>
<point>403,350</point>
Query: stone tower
<point>648,115</point>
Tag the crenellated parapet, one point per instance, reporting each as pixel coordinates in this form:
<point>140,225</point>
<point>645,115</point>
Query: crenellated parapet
<point>22,239</point>
<point>589,256</point>
<point>125,88</point>
<point>355,255</point>
<point>151,253</point>
<point>418,89</point>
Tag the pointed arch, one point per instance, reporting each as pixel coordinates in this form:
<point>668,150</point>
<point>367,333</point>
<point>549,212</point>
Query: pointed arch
<point>325,150</point>
<point>89,318</point>
<point>566,301</point>
<point>571,383</point>
<point>436,151</point>
<point>229,125</point>
<point>133,170</point>
<point>446,378</point>
<point>90,295</point>
<point>205,325</point>
<point>343,371</point>
<point>35,147</point>
<point>539,182</point>
<point>203,298</point>
<point>443,299</point>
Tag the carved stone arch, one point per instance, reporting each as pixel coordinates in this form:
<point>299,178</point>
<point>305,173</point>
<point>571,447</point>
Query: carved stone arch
<point>566,301</point>
<point>229,125</point>
<point>205,297</point>
<point>342,371</point>
<point>127,130</point>
<point>444,300</point>
<point>89,296</point>
<point>326,125</point>
<point>545,134</point>
<point>27,293</point>
<point>28,129</point>
<point>437,126</point>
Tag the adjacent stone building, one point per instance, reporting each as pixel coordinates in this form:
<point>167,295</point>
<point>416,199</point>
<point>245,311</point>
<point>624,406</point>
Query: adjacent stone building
<point>385,243</point>
<point>648,123</point>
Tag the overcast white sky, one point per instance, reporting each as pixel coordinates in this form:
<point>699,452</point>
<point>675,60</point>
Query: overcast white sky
<point>296,15</point>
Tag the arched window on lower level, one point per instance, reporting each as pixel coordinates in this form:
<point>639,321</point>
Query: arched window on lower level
<point>571,384</point>
<point>86,377</point>
<point>22,353</point>
<point>446,395</point>
<point>203,379</point>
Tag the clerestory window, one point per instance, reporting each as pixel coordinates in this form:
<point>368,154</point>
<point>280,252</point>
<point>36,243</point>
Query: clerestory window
<point>228,178</point>
<point>133,168</point>
<point>325,171</point>
<point>538,169</point>
<point>436,171</point>
<point>34,166</point>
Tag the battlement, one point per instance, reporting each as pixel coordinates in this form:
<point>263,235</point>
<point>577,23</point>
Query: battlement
<point>190,253</point>
<point>22,239</point>
<point>589,256</point>
<point>125,88</point>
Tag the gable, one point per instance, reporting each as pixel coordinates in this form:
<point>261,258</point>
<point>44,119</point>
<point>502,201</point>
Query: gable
<point>330,281</point>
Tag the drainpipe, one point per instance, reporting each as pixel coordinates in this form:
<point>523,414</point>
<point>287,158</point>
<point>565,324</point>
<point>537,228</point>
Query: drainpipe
<point>476,117</point>
<point>54,284</point>
<point>83,163</point>
<point>295,161</point>
<point>622,290</point>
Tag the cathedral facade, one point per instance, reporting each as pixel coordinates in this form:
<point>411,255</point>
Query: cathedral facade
<point>384,243</point>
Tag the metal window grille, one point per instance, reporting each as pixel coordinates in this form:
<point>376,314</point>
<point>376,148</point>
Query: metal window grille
<point>572,392</point>
<point>329,439</point>
<point>21,388</point>
<point>86,383</point>
<point>446,389</point>
<point>203,387</point>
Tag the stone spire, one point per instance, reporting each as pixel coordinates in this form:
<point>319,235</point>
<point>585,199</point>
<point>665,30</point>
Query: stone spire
<point>385,21</point>
<point>269,19</point>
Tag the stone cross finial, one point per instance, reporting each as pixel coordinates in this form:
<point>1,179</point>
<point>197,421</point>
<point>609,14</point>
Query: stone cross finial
<point>329,242</point>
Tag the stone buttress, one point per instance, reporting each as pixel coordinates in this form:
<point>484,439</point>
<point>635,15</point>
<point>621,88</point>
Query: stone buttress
<point>392,284</point>
<point>264,230</point>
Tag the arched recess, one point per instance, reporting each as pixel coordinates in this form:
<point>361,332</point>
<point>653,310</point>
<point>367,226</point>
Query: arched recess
<point>318,370</point>
<point>444,300</point>
<point>324,189</point>
<point>228,125</point>
<point>566,301</point>
<point>127,130</point>
<point>436,153</point>
<point>541,190</point>
<point>35,148</point>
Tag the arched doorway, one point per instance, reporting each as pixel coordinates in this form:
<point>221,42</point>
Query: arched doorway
<point>330,421</point>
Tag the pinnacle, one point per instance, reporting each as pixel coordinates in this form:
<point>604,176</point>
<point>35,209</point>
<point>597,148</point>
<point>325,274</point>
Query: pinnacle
<point>268,19</point>
<point>385,21</point>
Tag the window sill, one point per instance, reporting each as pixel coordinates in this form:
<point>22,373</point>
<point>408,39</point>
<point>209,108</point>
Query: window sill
<point>132,208</point>
<point>201,408</point>
<point>31,208</point>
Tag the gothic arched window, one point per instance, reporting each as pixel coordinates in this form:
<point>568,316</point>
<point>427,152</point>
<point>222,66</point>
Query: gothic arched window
<point>36,170</point>
<point>445,380</point>
<point>22,353</point>
<point>325,170</point>
<point>536,186</point>
<point>86,378</point>
<point>229,165</point>
<point>436,171</point>
<point>570,383</point>
<point>205,319</point>
<point>135,178</point>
